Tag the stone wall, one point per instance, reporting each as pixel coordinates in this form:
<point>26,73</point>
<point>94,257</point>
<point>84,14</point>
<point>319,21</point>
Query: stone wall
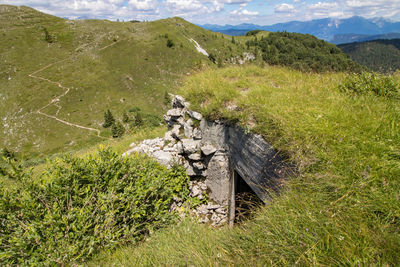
<point>211,152</point>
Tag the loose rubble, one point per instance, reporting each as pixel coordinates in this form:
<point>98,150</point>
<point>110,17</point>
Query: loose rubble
<point>183,145</point>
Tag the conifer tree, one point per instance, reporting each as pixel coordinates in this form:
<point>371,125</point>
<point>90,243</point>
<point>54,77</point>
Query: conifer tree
<point>117,129</point>
<point>167,99</point>
<point>108,119</point>
<point>138,120</point>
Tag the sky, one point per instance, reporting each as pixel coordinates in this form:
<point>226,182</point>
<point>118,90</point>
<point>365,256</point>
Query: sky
<point>262,12</point>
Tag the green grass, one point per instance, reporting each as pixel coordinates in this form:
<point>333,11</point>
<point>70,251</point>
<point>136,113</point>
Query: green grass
<point>106,65</point>
<point>342,209</point>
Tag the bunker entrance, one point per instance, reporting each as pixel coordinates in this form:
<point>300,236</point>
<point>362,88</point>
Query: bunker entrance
<point>244,198</point>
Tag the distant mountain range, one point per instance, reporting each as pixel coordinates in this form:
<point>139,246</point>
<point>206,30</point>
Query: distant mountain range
<point>338,31</point>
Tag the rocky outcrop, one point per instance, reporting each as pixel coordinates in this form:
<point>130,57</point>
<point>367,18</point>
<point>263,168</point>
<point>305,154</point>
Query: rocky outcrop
<point>211,152</point>
<point>183,144</point>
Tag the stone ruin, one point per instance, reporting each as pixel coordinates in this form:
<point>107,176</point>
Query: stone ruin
<point>219,160</point>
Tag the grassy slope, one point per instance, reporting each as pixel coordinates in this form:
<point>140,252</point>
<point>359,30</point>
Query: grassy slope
<point>343,209</point>
<point>135,68</point>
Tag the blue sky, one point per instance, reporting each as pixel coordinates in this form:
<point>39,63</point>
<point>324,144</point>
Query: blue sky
<point>264,12</point>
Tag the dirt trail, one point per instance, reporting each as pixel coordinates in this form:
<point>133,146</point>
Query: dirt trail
<point>55,101</point>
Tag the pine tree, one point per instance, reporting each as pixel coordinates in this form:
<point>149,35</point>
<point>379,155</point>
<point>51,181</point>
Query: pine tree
<point>138,120</point>
<point>117,129</point>
<point>108,119</point>
<point>125,117</point>
<point>167,99</point>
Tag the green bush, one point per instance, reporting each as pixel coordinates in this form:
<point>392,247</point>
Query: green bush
<point>82,205</point>
<point>125,117</point>
<point>371,82</point>
<point>253,32</point>
<point>212,57</point>
<point>170,43</point>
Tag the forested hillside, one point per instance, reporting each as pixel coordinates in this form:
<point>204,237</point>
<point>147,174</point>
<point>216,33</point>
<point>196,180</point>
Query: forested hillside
<point>377,55</point>
<point>301,51</point>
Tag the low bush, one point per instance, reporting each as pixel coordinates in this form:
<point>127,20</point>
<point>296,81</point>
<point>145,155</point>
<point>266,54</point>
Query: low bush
<point>371,82</point>
<point>81,205</point>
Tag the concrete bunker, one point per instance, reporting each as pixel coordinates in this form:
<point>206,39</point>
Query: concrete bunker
<point>222,160</point>
<point>243,164</point>
<point>242,199</point>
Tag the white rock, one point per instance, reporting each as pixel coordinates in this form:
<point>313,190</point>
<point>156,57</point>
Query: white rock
<point>220,210</point>
<point>190,146</point>
<point>195,157</point>
<point>208,150</point>
<point>175,132</point>
<point>190,171</point>
<point>215,218</point>
<point>195,191</point>
<point>198,165</point>
<point>188,129</point>
<point>197,135</point>
<point>168,136</point>
<point>195,115</point>
<point>205,220</point>
<point>165,158</point>
<point>213,207</point>
<point>178,102</point>
<point>203,209</point>
<point>176,112</point>
<point>203,186</point>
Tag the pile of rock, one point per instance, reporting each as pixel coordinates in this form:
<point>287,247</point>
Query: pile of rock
<point>183,145</point>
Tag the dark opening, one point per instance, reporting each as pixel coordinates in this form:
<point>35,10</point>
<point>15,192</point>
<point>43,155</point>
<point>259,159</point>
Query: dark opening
<point>245,199</point>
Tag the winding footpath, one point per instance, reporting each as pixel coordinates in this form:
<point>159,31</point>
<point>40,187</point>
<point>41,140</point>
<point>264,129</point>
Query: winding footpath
<point>55,101</point>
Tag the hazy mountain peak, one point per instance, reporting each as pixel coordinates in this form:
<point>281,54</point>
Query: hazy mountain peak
<point>325,28</point>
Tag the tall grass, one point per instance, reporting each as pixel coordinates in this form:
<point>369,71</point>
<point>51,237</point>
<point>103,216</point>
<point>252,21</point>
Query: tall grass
<point>342,209</point>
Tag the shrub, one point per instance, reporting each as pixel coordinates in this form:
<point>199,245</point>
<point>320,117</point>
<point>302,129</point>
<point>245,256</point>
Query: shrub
<point>7,153</point>
<point>212,57</point>
<point>253,32</point>
<point>170,43</point>
<point>125,118</point>
<point>370,82</point>
<point>47,36</point>
<point>81,205</point>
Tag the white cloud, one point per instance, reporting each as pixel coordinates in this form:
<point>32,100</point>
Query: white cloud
<point>244,12</point>
<point>185,7</point>
<point>234,1</point>
<point>282,8</point>
<point>143,4</point>
<point>301,10</point>
<point>204,11</point>
<point>104,9</point>
<point>323,6</point>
